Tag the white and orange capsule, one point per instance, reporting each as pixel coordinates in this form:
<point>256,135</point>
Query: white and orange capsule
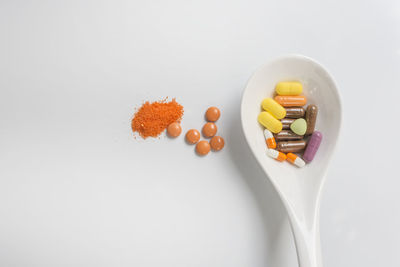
<point>269,139</point>
<point>294,159</point>
<point>275,154</point>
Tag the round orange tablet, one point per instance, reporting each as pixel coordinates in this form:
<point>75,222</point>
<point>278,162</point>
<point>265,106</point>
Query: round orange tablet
<point>209,129</point>
<point>203,147</point>
<point>174,129</point>
<point>217,143</point>
<point>192,136</point>
<point>212,114</point>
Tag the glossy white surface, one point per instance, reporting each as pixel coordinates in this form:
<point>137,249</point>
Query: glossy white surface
<point>77,190</point>
<point>299,189</point>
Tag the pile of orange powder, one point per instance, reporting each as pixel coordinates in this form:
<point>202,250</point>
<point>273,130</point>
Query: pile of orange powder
<point>151,119</point>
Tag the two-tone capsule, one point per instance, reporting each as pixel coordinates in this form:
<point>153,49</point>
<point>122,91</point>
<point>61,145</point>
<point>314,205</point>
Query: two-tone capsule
<point>294,159</point>
<point>269,139</point>
<point>279,156</point>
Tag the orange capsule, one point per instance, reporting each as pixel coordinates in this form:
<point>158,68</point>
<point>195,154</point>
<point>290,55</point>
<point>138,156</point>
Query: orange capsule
<point>269,139</point>
<point>291,100</point>
<point>294,159</point>
<point>275,154</point>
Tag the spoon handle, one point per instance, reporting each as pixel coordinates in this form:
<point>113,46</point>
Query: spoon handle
<point>307,239</point>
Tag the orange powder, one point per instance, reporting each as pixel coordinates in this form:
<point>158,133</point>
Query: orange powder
<point>153,118</point>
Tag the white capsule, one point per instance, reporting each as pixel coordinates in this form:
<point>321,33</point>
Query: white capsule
<point>275,154</point>
<point>299,162</point>
<point>294,159</point>
<point>268,134</point>
<point>269,139</point>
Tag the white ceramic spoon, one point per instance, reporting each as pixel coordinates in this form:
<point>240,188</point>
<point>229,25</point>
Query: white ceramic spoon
<point>299,188</point>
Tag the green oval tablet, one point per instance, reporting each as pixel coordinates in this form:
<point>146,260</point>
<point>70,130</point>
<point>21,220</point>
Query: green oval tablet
<point>299,126</point>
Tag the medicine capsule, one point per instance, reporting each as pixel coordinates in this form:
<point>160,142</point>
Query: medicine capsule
<point>312,147</point>
<point>289,88</point>
<point>295,112</point>
<point>269,139</point>
<point>274,108</point>
<point>311,118</point>
<point>291,101</point>
<point>286,123</point>
<point>269,122</point>
<point>294,159</point>
<point>279,156</point>
<point>291,146</point>
<point>287,135</point>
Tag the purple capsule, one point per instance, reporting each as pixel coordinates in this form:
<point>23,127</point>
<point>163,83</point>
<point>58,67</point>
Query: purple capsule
<point>312,146</point>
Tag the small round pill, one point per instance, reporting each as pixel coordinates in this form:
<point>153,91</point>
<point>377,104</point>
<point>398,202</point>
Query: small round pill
<point>174,129</point>
<point>212,114</point>
<point>209,129</point>
<point>192,136</point>
<point>299,126</point>
<point>217,143</point>
<point>203,147</point>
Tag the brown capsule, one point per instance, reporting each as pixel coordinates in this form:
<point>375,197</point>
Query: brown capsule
<point>286,123</point>
<point>311,118</point>
<point>295,112</point>
<point>287,135</point>
<point>291,146</point>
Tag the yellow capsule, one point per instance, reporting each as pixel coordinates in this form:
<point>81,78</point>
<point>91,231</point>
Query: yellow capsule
<point>269,122</point>
<point>274,108</point>
<point>289,88</point>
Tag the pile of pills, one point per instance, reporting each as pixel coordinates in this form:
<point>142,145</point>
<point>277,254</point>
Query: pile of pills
<point>289,128</point>
<point>209,130</point>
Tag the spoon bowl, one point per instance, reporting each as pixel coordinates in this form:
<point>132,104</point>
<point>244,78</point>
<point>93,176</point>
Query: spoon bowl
<point>298,188</point>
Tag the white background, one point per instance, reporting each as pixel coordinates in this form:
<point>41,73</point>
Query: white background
<point>76,189</point>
